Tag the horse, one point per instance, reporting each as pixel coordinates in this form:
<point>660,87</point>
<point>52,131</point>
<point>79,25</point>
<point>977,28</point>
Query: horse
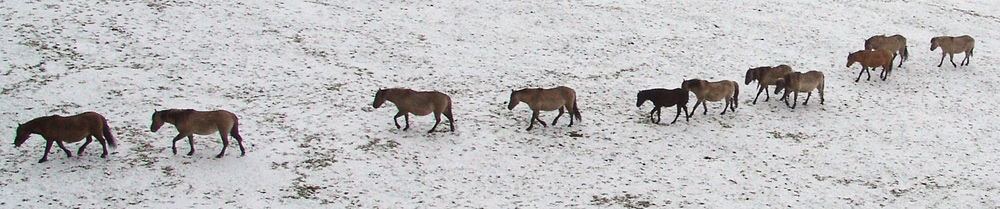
<point>766,76</point>
<point>871,59</point>
<point>801,82</point>
<point>953,45</point>
<point>664,98</point>
<point>190,122</point>
<point>713,91</point>
<point>559,98</point>
<point>895,44</point>
<point>70,129</point>
<point>419,103</point>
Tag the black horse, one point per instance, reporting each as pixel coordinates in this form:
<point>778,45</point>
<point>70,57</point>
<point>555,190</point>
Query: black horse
<point>664,98</point>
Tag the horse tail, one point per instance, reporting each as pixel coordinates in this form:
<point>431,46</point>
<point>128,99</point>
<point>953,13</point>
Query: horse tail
<point>107,135</point>
<point>736,95</point>
<point>235,130</point>
<point>904,53</point>
<point>576,111</point>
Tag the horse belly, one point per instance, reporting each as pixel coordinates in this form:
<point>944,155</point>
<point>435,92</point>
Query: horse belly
<point>67,137</point>
<point>206,130</point>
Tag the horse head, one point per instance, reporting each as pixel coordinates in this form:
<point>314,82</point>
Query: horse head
<point>514,99</point>
<point>22,135</point>
<point>379,98</point>
<point>157,120</point>
<point>640,98</point>
<point>934,44</point>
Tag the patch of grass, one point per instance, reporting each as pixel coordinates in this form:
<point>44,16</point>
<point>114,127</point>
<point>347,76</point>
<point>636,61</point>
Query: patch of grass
<point>374,145</point>
<point>626,201</point>
<point>797,137</point>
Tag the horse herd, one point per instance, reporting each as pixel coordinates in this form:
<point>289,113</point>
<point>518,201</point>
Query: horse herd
<point>880,51</point>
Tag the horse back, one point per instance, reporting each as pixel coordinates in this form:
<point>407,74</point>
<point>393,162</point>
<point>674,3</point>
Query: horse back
<point>70,129</point>
<point>207,122</point>
<point>424,102</point>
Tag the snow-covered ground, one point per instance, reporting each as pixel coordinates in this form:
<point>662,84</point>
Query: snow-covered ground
<point>302,76</point>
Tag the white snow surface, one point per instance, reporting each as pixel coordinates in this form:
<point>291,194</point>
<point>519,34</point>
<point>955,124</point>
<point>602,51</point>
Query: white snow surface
<point>301,75</point>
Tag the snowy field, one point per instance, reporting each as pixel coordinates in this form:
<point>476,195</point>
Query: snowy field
<point>302,75</point>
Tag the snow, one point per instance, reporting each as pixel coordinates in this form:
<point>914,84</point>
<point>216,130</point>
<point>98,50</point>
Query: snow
<point>301,75</point>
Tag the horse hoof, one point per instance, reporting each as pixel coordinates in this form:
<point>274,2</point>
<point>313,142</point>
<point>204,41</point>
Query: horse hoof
<point>218,156</point>
<point>104,156</point>
<point>190,153</point>
<point>42,160</point>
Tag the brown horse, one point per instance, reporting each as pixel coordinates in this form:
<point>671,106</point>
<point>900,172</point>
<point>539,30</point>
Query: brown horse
<point>953,45</point>
<point>664,98</point>
<point>871,59</point>
<point>801,82</point>
<point>70,129</point>
<point>190,122</point>
<point>559,98</point>
<point>419,103</point>
<point>895,44</point>
<point>766,76</point>
<point>713,91</point>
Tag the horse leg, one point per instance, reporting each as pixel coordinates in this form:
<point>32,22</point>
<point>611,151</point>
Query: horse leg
<point>869,71</point>
<point>407,117</point>
<point>965,62</point>
<point>695,108</point>
<point>451,120</point>
<point>795,100</point>
<point>726,107</point>
<point>808,95</point>
<point>68,153</point>
<point>677,115</point>
<point>437,120</point>
<point>659,112</point>
<point>191,143</point>
<point>85,143</point>
<point>225,143</point>
<point>239,141</point>
<point>704,107</point>
<point>951,57</point>
<point>759,90</point>
<point>177,138</point>
<point>104,145</point>
<point>48,146</point>
<point>561,110</point>
<point>686,116</point>
<point>855,80</point>
<point>942,59</point>
<point>531,122</point>
<point>651,118</point>
<point>394,119</point>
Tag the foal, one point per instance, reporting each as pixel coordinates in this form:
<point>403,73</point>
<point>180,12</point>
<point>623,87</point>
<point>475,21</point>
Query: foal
<point>559,98</point>
<point>713,91</point>
<point>664,98</point>
<point>766,76</point>
<point>801,82</point>
<point>895,44</point>
<point>189,122</point>
<point>953,45</point>
<point>70,129</point>
<point>419,103</point>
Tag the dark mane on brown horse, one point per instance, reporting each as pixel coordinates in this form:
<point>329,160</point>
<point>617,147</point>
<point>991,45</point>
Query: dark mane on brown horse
<point>70,129</point>
<point>189,122</point>
<point>713,91</point>
<point>953,45</point>
<point>559,98</point>
<point>419,103</point>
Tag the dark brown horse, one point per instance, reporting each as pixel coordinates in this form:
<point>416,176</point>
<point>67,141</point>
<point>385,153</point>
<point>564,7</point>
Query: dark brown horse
<point>559,98</point>
<point>870,60</point>
<point>895,44</point>
<point>953,45</point>
<point>190,122</point>
<point>419,103</point>
<point>664,98</point>
<point>70,129</point>
<point>801,82</point>
<point>713,91</point>
<point>766,76</point>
